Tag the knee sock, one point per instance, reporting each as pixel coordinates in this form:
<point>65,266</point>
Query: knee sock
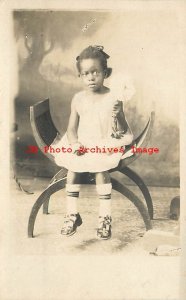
<point>72,195</point>
<point>104,192</point>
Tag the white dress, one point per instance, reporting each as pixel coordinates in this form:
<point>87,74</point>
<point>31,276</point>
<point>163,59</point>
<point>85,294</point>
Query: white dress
<point>94,132</point>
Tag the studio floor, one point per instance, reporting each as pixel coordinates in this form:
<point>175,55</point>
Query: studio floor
<point>127,226</point>
<point>119,268</point>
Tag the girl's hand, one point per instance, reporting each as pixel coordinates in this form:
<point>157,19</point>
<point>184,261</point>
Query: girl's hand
<point>117,108</point>
<point>77,149</point>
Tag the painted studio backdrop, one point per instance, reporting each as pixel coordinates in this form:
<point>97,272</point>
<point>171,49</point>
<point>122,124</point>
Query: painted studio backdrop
<point>141,44</point>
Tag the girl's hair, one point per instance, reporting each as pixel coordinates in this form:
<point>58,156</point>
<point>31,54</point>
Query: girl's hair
<point>94,52</point>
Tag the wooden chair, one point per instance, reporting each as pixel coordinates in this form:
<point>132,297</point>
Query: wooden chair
<point>45,134</point>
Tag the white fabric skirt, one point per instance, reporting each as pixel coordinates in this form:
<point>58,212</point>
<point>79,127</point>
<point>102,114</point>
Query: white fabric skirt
<point>94,160</point>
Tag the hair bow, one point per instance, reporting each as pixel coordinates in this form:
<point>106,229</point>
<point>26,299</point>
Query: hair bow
<point>100,48</point>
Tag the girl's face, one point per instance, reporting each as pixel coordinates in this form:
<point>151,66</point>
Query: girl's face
<point>92,74</point>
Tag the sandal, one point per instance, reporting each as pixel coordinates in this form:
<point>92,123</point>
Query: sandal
<point>71,223</point>
<point>104,230</point>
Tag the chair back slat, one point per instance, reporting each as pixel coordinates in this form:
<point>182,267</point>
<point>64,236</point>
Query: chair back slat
<point>41,107</point>
<point>143,139</point>
<point>46,128</point>
<point>43,127</point>
<point>140,142</point>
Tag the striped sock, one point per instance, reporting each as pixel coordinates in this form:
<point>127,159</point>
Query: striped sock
<point>72,194</point>
<point>104,192</point>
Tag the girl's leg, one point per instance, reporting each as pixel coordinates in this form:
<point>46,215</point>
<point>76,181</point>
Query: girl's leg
<point>104,188</point>
<point>72,192</point>
<point>72,218</point>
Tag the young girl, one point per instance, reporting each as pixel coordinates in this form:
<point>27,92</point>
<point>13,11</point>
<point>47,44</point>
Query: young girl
<point>95,146</point>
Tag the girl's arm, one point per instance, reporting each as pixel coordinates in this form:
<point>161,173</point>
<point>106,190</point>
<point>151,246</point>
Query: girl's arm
<point>73,125</point>
<point>122,124</point>
<point>121,121</point>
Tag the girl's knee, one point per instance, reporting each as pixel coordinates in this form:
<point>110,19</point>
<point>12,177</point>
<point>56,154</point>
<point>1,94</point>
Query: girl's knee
<point>73,177</point>
<point>102,177</point>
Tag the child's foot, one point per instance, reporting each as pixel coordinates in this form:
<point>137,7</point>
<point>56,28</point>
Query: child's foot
<point>71,223</point>
<point>104,229</point>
